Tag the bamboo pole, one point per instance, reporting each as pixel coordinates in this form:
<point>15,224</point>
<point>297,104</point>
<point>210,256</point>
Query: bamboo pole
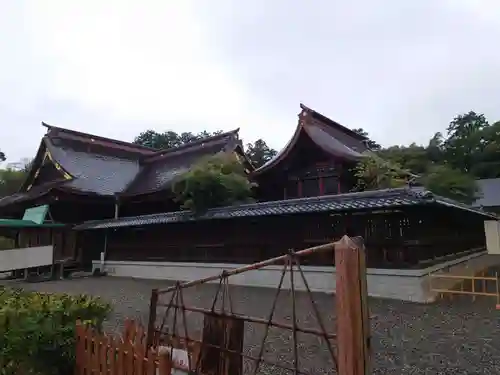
<point>251,267</point>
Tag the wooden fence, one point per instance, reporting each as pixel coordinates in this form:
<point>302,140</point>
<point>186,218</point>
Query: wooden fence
<point>219,350</point>
<point>100,354</point>
<point>222,340</point>
<point>475,286</point>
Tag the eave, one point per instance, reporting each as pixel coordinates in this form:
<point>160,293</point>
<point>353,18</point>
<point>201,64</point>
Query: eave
<point>315,127</point>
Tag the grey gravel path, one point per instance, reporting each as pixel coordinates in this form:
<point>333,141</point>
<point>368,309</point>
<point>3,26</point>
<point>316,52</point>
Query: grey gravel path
<point>457,338</point>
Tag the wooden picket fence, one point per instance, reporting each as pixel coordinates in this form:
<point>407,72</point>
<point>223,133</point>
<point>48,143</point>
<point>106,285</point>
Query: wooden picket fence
<point>100,354</point>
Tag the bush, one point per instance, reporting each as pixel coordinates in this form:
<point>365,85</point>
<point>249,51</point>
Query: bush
<point>216,181</point>
<point>372,173</point>
<point>37,331</point>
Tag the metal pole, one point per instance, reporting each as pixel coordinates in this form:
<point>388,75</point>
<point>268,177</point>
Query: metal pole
<point>104,252</point>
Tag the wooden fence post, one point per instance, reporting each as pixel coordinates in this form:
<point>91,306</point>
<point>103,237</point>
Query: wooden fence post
<point>352,309</point>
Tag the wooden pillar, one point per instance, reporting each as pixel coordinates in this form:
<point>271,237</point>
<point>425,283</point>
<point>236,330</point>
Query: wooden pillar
<point>220,334</point>
<point>351,305</point>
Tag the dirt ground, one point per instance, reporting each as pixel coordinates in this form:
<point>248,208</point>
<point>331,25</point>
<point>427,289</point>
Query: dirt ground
<point>461,337</point>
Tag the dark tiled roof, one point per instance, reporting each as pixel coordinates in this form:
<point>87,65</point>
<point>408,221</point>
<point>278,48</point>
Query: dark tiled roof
<point>328,135</point>
<point>158,171</point>
<point>35,192</point>
<point>106,167</point>
<point>369,200</point>
<point>351,134</point>
<point>94,173</point>
<point>489,192</point>
<point>107,143</point>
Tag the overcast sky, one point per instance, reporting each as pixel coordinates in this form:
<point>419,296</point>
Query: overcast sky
<point>400,69</point>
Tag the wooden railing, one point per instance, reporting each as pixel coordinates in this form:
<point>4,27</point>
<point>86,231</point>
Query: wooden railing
<point>472,285</point>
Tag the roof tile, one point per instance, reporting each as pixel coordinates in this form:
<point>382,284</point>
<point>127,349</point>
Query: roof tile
<point>368,200</point>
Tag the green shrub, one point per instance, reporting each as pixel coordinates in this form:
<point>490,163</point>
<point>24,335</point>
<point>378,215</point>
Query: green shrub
<point>215,181</point>
<point>37,331</point>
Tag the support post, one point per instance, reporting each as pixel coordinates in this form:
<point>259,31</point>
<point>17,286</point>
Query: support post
<point>104,253</point>
<point>352,309</point>
<point>117,206</point>
<point>153,303</point>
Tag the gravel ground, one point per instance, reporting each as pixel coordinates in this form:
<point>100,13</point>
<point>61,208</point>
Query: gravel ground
<point>459,337</point>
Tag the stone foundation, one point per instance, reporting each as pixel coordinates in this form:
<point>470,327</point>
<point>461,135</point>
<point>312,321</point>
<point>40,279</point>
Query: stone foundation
<point>408,285</point>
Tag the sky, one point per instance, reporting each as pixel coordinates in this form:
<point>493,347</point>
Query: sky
<point>399,69</point>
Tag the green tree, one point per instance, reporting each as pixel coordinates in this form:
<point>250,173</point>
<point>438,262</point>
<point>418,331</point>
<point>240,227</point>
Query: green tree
<point>259,153</point>
<point>2,156</point>
<point>169,139</point>
<point>214,181</point>
<point>435,148</point>
<point>372,145</point>
<point>486,162</point>
<point>10,181</point>
<point>413,158</point>
<point>452,183</point>
<point>373,173</point>
<point>465,140</point>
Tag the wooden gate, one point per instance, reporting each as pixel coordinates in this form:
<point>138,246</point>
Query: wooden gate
<point>220,339</point>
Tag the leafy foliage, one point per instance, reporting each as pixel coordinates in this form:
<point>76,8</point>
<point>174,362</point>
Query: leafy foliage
<point>450,182</point>
<point>10,180</point>
<point>373,173</point>
<point>169,139</point>
<point>372,145</point>
<point>413,158</point>
<point>471,145</point>
<point>465,140</point>
<point>2,156</point>
<point>215,181</point>
<point>449,164</point>
<point>37,331</point>
<point>259,153</point>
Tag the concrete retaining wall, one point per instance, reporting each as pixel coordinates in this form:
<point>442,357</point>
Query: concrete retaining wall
<point>409,285</point>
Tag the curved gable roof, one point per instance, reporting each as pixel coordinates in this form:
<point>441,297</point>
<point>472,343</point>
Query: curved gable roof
<point>328,135</point>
